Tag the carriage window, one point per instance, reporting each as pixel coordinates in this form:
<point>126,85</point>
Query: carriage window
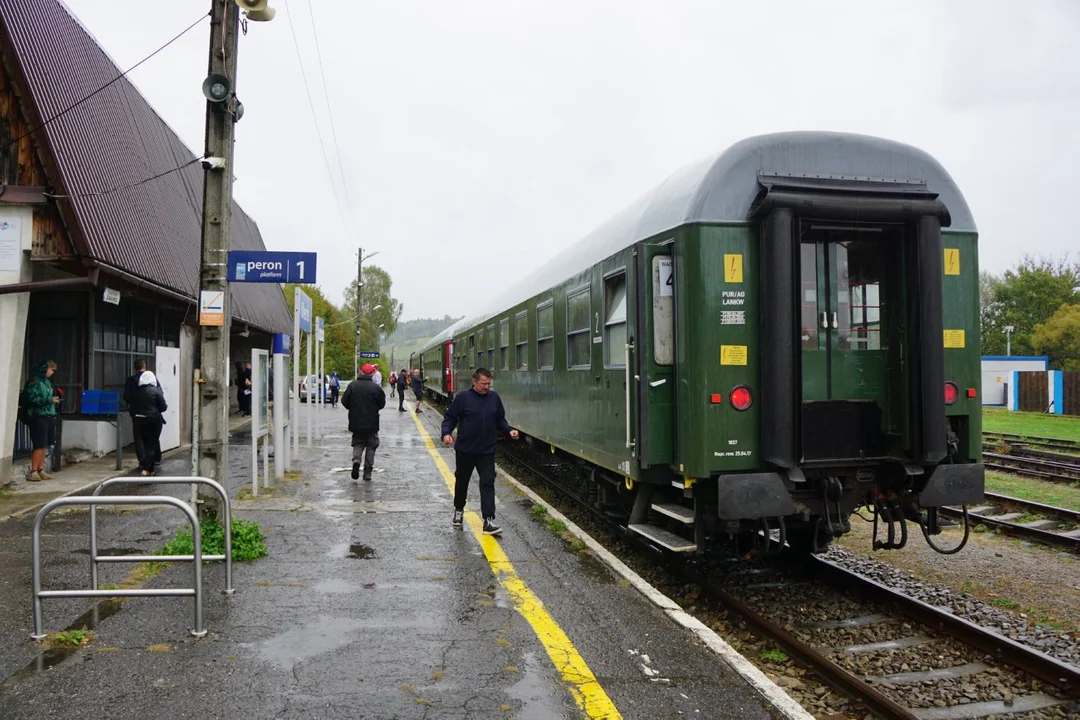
<point>504,343</point>
<point>545,336</point>
<point>522,349</point>
<point>491,347</point>
<point>480,354</point>
<point>469,352</point>
<point>615,321</point>
<point>578,345</point>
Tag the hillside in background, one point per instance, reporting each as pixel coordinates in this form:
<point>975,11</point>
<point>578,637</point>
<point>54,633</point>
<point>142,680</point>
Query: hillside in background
<point>411,335</point>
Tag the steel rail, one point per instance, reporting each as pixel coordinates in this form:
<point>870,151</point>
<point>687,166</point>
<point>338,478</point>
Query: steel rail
<point>1006,651</point>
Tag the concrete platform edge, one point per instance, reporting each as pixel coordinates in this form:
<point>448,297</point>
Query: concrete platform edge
<point>772,692</point>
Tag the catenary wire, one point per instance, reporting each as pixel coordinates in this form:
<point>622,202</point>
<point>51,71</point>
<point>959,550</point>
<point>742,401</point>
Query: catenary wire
<point>315,119</point>
<point>74,105</point>
<point>329,107</point>
<point>100,193</point>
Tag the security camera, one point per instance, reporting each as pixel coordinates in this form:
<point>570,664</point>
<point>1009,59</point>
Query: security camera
<point>213,163</point>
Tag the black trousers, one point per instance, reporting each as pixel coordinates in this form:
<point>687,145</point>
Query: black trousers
<point>149,431</point>
<point>485,467</point>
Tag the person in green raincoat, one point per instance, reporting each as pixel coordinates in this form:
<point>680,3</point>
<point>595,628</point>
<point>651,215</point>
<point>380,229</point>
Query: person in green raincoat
<point>39,402</point>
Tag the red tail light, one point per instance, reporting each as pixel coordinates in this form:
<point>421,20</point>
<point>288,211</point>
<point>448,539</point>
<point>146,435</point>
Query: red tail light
<point>951,393</point>
<point>741,398</point>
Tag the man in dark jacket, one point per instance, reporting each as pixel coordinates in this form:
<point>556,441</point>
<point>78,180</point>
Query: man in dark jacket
<point>364,399</point>
<point>479,416</point>
<point>147,416</point>
<point>401,380</point>
<point>243,393</point>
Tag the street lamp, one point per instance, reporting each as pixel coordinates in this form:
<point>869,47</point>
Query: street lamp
<point>378,335</point>
<point>360,258</point>
<point>1008,339</point>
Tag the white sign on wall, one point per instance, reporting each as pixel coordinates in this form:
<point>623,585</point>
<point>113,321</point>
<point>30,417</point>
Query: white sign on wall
<point>10,243</point>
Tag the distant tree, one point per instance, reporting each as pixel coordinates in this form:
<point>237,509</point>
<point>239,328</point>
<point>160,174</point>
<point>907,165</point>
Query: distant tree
<point>1024,297</point>
<point>1059,338</point>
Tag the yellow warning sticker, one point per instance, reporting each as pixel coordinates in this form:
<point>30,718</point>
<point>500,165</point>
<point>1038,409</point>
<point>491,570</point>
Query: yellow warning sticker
<point>733,269</point>
<point>952,261</point>
<point>732,354</point>
<point>954,338</point>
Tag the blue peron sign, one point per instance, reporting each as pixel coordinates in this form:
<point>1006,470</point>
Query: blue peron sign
<point>271,267</point>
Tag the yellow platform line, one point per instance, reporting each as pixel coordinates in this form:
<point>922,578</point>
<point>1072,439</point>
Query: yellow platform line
<point>588,694</point>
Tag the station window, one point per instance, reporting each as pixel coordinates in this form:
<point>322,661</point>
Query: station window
<point>522,348</point>
<point>578,345</point>
<point>545,336</point>
<point>491,347</point>
<point>615,320</point>
<point>504,343</point>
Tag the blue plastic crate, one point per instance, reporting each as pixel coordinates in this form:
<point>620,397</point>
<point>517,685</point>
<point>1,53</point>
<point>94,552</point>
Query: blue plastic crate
<point>100,402</point>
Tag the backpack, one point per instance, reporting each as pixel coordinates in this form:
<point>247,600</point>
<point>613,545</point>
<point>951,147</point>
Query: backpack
<point>24,416</point>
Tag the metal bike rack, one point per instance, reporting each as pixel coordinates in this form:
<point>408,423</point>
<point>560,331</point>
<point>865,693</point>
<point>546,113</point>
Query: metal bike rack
<point>172,480</point>
<point>93,501</point>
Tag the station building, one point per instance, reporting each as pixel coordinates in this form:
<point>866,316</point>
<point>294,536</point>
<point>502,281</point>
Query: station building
<point>100,234</point>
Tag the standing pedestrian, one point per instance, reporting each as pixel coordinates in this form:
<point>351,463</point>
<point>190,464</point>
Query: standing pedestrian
<point>148,418</point>
<point>131,387</point>
<point>377,377</point>
<point>335,388</point>
<point>393,383</point>
<point>364,400</point>
<point>243,394</point>
<point>39,402</point>
<point>417,387</point>
<point>479,416</point>
<point>402,382</point>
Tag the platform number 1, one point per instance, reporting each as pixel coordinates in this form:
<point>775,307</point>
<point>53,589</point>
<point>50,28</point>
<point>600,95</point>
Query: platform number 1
<point>300,264</point>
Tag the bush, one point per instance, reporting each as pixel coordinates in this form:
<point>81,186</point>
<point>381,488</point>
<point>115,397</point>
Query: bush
<point>247,541</point>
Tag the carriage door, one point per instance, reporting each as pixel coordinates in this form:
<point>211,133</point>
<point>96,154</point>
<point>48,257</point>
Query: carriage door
<point>842,339</point>
<point>655,354</point>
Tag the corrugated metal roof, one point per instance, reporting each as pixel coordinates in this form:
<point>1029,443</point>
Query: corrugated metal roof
<point>154,230</point>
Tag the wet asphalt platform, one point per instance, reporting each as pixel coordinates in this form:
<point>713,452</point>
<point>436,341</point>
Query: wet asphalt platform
<point>369,604</point>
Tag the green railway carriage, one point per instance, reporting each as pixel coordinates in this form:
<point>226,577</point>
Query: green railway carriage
<point>770,338</point>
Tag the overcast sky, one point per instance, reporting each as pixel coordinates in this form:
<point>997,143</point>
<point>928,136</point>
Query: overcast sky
<point>480,137</point>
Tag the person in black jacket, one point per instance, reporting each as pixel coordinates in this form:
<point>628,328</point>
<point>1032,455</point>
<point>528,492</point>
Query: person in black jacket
<point>243,393</point>
<point>401,380</point>
<point>131,388</point>
<point>364,399</point>
<point>479,416</point>
<point>146,412</point>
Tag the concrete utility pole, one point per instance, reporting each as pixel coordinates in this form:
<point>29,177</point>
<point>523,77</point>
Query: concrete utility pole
<point>359,280</point>
<point>211,436</point>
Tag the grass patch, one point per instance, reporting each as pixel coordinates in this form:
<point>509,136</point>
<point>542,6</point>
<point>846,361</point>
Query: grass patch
<point>247,541</point>
<point>555,526</point>
<point>1039,491</point>
<point>1005,603</point>
<point>71,638</point>
<point>538,510</point>
<point>1032,424</point>
<point>577,545</point>
<point>981,528</point>
<point>775,656</point>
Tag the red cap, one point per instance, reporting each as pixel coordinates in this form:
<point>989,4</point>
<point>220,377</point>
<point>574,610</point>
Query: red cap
<point>368,369</point>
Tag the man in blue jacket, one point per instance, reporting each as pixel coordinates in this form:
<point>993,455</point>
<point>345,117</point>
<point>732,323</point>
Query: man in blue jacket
<point>479,416</point>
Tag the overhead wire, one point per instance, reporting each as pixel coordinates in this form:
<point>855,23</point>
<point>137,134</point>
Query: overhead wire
<point>329,107</point>
<point>77,103</point>
<point>100,193</point>
<point>315,119</point>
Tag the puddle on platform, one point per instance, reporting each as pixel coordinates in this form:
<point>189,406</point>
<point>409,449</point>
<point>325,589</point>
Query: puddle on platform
<point>353,551</point>
<point>334,586</point>
<point>595,569</point>
<point>540,693</point>
<point>53,656</point>
<point>325,635</point>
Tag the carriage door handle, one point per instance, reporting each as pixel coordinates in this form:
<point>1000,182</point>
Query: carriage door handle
<point>825,320</point>
<point>834,323</point>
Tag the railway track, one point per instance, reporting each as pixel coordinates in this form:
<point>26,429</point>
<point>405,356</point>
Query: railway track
<point>1035,467</point>
<point>897,656</point>
<point>1028,441</point>
<point>1044,524</point>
